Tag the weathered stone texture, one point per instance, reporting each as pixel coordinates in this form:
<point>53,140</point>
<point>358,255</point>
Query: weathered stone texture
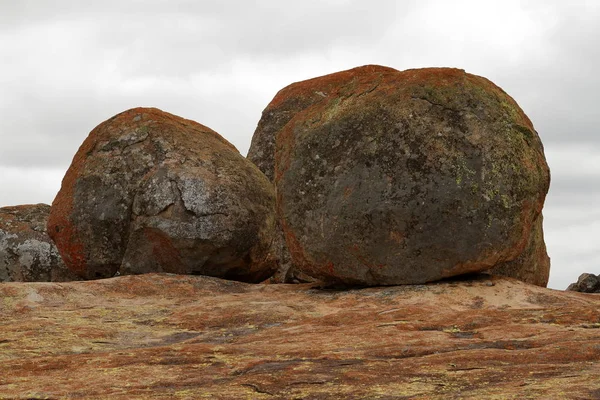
<point>27,254</point>
<point>533,264</point>
<point>189,337</point>
<point>586,283</point>
<point>152,192</point>
<point>388,177</point>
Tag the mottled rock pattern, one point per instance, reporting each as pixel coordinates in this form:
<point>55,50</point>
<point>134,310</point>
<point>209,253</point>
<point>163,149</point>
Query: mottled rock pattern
<point>189,337</point>
<point>284,107</point>
<point>152,192</point>
<point>388,177</point>
<point>278,113</point>
<point>586,283</point>
<point>287,272</point>
<point>27,254</point>
<point>533,264</point>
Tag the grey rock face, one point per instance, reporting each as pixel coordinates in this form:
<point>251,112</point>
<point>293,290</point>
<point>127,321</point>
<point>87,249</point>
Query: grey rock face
<point>533,264</point>
<point>586,283</point>
<point>27,254</point>
<point>386,177</point>
<point>152,192</point>
<point>262,154</point>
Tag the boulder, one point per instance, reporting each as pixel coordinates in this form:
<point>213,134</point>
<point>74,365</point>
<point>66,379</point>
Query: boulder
<point>586,283</point>
<point>149,191</point>
<point>533,264</point>
<point>27,254</point>
<point>262,153</point>
<point>386,177</point>
<point>163,336</point>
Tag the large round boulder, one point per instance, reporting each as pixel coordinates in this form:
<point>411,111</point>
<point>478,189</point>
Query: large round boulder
<point>27,254</point>
<point>386,177</point>
<point>152,192</point>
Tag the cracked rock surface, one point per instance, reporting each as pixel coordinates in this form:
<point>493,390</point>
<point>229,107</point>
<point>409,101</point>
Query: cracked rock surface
<point>27,254</point>
<point>160,336</point>
<point>396,177</point>
<point>149,191</point>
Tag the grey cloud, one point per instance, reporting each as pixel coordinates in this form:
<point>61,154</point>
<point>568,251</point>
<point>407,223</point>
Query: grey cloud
<point>178,39</point>
<point>560,89</point>
<point>57,96</point>
<point>51,136</point>
<point>565,189</point>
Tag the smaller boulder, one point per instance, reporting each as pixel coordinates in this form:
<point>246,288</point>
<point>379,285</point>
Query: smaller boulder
<point>587,283</point>
<point>149,191</point>
<point>27,254</point>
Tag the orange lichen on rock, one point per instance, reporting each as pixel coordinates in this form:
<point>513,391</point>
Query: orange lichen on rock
<point>173,336</point>
<point>444,156</point>
<point>149,191</point>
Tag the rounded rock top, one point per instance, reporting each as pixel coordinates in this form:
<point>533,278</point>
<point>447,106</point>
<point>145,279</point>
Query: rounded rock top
<point>149,191</point>
<point>390,177</point>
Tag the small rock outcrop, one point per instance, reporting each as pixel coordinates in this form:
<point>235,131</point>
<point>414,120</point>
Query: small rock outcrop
<point>152,192</point>
<point>386,177</point>
<point>27,254</point>
<point>586,283</point>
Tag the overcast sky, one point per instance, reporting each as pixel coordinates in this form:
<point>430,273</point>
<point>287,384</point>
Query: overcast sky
<point>66,66</point>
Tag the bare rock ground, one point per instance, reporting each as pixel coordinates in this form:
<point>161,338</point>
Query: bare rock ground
<point>193,337</point>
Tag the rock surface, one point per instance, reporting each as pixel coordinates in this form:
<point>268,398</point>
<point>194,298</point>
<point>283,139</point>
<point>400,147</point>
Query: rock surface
<point>152,192</point>
<point>586,283</point>
<point>388,177</point>
<point>189,337</point>
<point>27,254</point>
<point>533,264</point>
